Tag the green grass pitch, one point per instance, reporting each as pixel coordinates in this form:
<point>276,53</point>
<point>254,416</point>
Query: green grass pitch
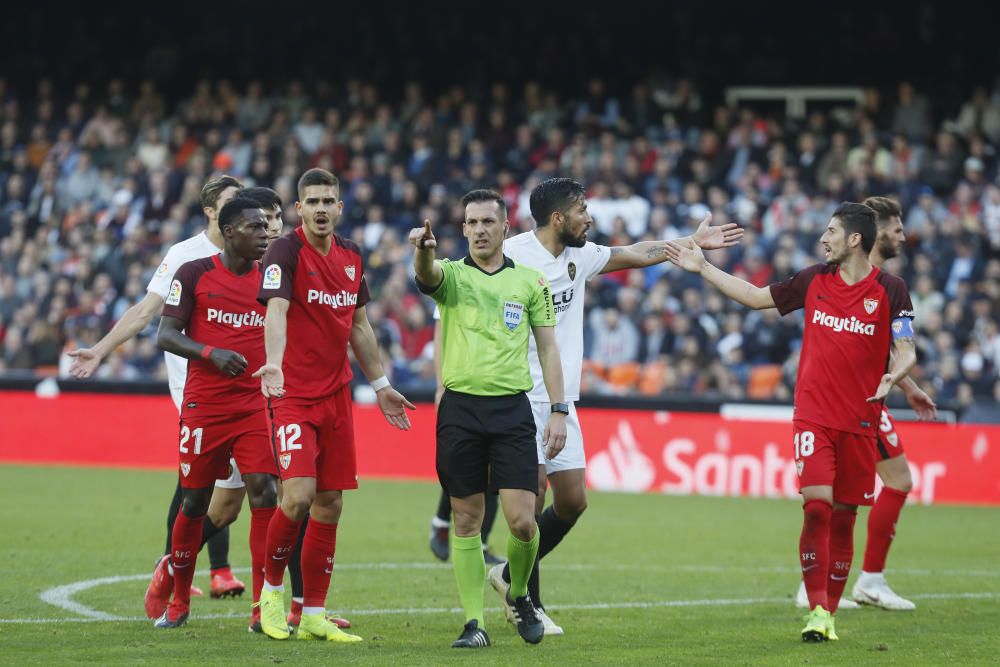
<point>643,579</point>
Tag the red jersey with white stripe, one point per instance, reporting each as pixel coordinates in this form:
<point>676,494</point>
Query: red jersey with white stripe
<point>845,348</point>
<point>323,292</point>
<point>219,308</point>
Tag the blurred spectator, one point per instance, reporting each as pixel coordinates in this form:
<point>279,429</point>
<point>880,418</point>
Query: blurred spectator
<point>95,186</point>
<point>615,339</point>
<point>980,116</point>
<point>912,116</point>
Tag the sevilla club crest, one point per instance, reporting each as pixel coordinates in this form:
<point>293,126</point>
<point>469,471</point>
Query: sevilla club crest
<point>349,270</point>
<point>285,460</point>
<point>571,270</point>
<point>871,305</point>
<point>185,469</point>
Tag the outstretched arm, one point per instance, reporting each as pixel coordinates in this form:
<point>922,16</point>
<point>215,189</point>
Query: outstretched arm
<point>693,259</point>
<point>365,347</point>
<point>428,273</point>
<point>647,253</point>
<point>87,359</point>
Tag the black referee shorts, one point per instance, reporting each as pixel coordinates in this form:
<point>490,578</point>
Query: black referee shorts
<point>485,443</point>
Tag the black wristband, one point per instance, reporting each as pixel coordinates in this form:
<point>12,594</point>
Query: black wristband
<point>560,408</point>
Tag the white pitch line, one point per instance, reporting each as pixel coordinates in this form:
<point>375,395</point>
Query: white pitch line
<point>596,606</point>
<point>62,596</point>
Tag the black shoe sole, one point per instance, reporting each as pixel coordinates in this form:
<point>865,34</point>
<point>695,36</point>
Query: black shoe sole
<point>227,594</point>
<point>814,637</point>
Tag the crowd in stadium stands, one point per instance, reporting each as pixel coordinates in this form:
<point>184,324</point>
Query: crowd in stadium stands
<point>96,182</point>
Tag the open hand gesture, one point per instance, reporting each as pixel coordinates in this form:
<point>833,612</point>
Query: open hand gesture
<point>272,380</point>
<point>686,257</point>
<point>712,238</point>
<point>85,362</point>
<point>922,404</point>
<point>883,389</point>
<point>393,406</point>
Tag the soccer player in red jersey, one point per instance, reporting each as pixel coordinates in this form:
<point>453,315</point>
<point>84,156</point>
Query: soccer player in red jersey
<point>854,314</point>
<point>228,498</point>
<point>315,292</point>
<point>871,587</point>
<point>212,318</point>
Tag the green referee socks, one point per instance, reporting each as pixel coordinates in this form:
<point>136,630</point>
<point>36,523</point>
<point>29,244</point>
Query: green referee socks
<point>470,572</point>
<point>521,556</point>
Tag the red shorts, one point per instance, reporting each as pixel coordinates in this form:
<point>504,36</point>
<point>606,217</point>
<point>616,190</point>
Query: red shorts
<point>888,444</point>
<point>316,440</point>
<point>828,457</point>
<point>208,441</point>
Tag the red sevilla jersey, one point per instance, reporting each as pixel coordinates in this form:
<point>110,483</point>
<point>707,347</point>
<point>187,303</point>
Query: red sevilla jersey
<point>219,308</point>
<point>323,292</point>
<point>845,348</point>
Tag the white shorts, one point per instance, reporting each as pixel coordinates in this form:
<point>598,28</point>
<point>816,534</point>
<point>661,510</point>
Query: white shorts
<point>235,479</point>
<point>572,456</point>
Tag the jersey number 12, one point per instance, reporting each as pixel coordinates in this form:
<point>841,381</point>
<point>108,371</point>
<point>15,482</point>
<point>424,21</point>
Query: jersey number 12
<point>289,436</point>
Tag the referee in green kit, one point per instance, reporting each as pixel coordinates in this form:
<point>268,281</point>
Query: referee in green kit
<point>485,428</point>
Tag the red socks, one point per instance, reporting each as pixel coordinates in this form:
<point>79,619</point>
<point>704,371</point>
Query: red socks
<point>282,533</point>
<point>882,527</point>
<point>841,554</point>
<point>259,520</point>
<point>318,549</point>
<point>814,550</point>
<point>186,541</point>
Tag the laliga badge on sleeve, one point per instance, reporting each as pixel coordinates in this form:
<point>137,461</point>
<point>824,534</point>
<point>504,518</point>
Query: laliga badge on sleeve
<point>174,297</point>
<point>272,277</point>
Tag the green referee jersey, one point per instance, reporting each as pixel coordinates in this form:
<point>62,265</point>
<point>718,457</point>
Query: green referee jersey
<point>486,319</point>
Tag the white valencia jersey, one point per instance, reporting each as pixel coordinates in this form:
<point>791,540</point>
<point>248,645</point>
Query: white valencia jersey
<point>196,247</point>
<point>568,275</point>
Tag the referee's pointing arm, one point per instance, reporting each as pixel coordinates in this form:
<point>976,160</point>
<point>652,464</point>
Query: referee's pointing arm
<point>423,240</point>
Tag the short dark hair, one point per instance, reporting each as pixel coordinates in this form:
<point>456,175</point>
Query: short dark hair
<point>555,194</point>
<point>884,208</point>
<point>211,191</point>
<point>230,213</point>
<point>317,176</point>
<point>476,196</point>
<point>266,197</point>
<point>858,219</point>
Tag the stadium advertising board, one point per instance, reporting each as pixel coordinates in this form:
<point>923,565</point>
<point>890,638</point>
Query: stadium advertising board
<point>635,451</point>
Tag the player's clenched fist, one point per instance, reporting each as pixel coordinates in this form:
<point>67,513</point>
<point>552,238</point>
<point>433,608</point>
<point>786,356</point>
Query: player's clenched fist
<point>423,237</point>
<point>228,362</point>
